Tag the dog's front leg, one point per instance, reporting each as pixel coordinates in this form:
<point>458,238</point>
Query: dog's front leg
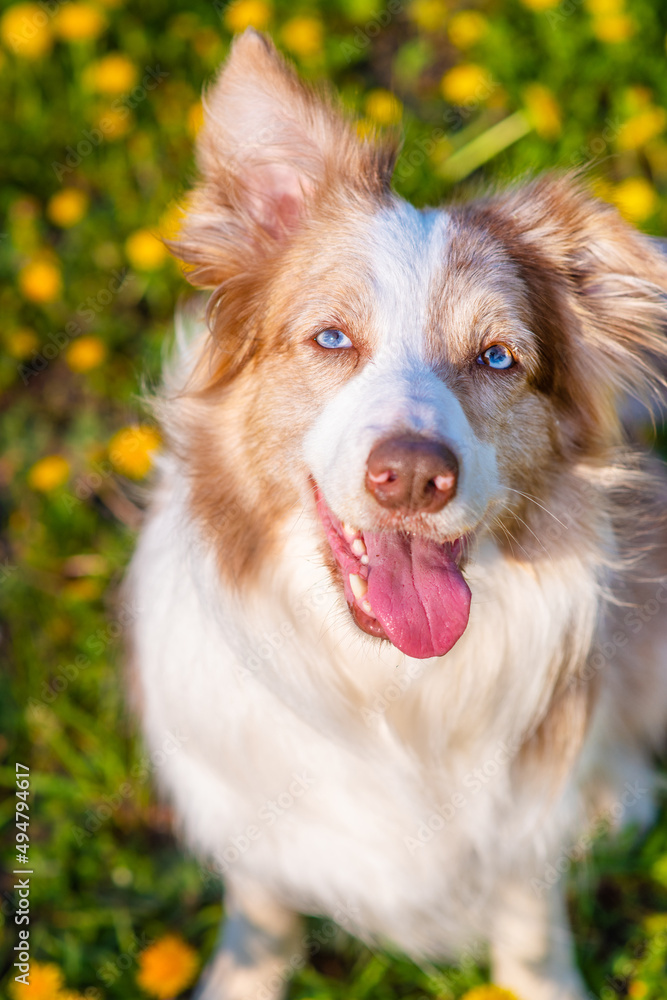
<point>532,949</point>
<point>260,947</point>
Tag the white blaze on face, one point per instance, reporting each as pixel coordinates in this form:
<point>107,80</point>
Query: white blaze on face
<point>397,391</point>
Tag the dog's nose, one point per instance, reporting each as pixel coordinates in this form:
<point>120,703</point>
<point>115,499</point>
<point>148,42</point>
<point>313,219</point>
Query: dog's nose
<point>412,473</point>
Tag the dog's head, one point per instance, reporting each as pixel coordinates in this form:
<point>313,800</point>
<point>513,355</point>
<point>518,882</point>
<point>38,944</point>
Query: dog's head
<point>420,377</point>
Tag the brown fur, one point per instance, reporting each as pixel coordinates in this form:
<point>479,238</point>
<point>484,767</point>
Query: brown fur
<point>585,284</point>
<point>294,228</point>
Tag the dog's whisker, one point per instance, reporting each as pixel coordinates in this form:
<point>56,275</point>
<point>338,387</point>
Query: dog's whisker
<point>546,510</point>
<point>528,528</point>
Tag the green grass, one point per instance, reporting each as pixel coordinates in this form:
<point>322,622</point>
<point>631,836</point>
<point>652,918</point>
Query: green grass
<point>109,876</point>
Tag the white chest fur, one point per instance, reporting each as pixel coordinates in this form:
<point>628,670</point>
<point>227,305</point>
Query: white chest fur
<point>347,777</point>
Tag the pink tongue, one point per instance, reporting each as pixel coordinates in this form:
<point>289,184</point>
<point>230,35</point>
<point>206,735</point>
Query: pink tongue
<point>417,592</point>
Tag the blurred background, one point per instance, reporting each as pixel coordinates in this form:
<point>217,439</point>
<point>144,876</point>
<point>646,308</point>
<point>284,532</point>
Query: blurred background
<point>99,107</point>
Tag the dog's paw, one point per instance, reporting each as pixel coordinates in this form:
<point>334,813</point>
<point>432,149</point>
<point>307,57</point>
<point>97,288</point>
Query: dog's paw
<point>222,980</point>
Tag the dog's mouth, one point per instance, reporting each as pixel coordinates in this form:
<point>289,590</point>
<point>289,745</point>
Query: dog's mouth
<point>399,586</point>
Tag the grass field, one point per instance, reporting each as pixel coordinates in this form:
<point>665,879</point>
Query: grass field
<point>99,105</point>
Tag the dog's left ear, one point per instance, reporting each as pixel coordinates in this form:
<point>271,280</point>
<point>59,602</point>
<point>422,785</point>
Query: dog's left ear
<point>598,295</point>
<point>270,148</point>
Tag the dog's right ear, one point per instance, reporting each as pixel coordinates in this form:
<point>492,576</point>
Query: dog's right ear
<point>269,149</point>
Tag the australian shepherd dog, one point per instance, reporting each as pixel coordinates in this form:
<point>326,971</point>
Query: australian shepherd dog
<point>402,582</point>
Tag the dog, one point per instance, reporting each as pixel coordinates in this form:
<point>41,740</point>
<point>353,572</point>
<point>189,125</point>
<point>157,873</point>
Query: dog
<point>402,578</point>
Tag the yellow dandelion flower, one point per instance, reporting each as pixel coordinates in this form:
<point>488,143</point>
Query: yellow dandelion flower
<point>85,353</point>
<point>603,189</point>
<point>637,98</point>
<point>40,281</point>
<point>539,5</point>
<point>489,992</point>
<point>131,452</point>
<point>466,83</point>
<point>114,122</point>
<point>26,30</point>
<point>46,982</point>
<point>383,107</point>
<point>429,15</point>
<point>171,221</point>
<point>195,119</point>
<point>365,128</point>
<point>466,28</point>
<point>83,589</point>
<point>642,127</point>
<point>113,74</point>
<point>543,111</point>
<point>22,342</point>
<point>659,873</point>
<point>167,967</point>
<point>46,475</point>
<point>79,22</point>
<point>656,923</point>
<point>600,8</point>
<point>635,199</point>
<point>637,990</point>
<point>613,29</point>
<point>303,36</point>
<point>145,251</point>
<point>247,14</point>
<point>67,207</point>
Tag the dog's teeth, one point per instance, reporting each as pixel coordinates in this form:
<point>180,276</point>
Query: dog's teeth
<point>350,533</point>
<point>367,609</point>
<point>359,586</point>
<point>364,560</point>
<point>358,547</point>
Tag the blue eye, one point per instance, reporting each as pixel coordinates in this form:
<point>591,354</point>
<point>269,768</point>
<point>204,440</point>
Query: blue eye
<point>497,356</point>
<point>333,339</point>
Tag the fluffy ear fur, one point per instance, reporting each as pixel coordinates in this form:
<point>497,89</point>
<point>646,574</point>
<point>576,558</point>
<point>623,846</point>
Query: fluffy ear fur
<point>598,291</point>
<point>269,150</point>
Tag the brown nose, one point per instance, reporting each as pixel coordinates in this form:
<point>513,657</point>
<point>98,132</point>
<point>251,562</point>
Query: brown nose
<point>412,474</point>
